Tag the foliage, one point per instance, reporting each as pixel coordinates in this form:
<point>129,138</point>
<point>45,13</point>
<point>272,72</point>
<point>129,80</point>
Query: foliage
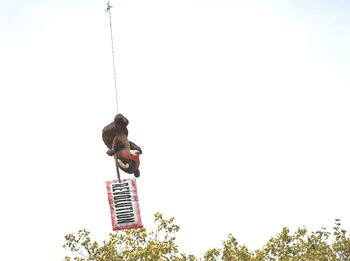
<point>160,245</point>
<point>132,244</point>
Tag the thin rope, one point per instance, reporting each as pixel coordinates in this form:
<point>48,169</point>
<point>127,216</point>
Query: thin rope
<point>117,166</point>
<point>108,10</point>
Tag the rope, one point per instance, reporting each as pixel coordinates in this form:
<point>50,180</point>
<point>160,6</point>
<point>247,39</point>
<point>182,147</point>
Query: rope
<point>108,10</point>
<point>117,166</point>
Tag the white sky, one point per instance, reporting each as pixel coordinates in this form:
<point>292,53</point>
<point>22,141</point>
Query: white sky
<point>241,108</point>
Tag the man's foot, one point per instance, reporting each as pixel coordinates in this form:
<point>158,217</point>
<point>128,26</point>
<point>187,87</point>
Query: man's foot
<point>137,173</point>
<point>110,152</point>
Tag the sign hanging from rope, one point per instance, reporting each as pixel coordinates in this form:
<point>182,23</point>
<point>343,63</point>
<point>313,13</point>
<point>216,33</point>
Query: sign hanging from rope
<point>124,204</point>
<point>122,194</point>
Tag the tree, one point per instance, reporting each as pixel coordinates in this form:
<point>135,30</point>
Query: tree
<point>132,244</point>
<point>160,244</point>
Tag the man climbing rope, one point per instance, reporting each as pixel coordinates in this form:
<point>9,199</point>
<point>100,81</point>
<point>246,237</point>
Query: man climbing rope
<point>126,153</point>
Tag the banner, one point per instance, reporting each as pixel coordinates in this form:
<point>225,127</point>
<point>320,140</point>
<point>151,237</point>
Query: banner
<point>124,204</point>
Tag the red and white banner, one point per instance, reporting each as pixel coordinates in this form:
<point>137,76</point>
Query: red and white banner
<point>124,204</point>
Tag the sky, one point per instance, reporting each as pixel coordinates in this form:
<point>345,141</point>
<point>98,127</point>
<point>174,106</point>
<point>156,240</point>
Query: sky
<point>241,109</point>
